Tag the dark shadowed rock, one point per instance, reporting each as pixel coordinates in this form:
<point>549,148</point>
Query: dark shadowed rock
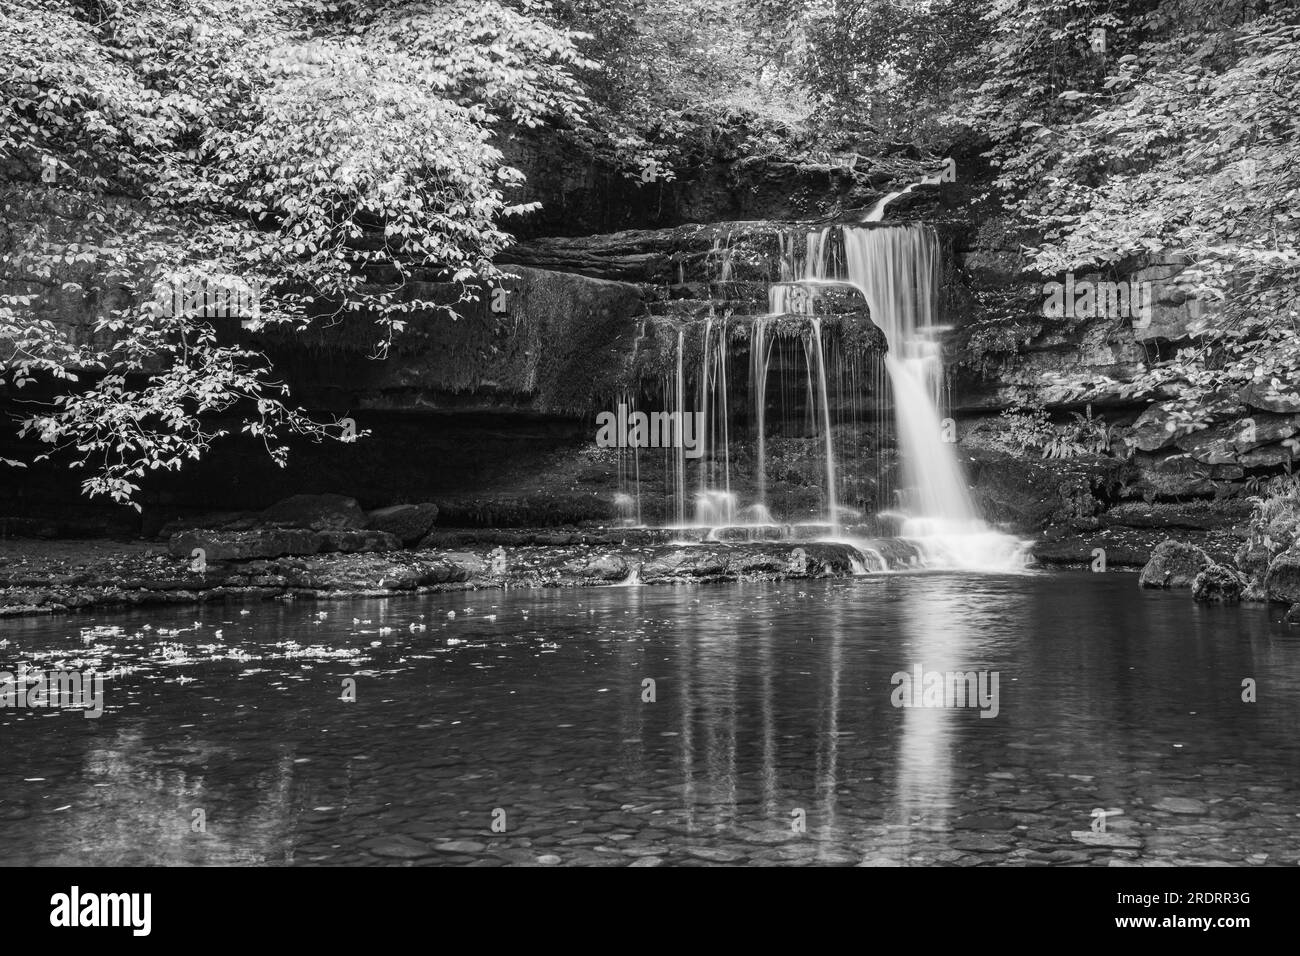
<point>222,545</point>
<point>1154,428</point>
<point>365,572</point>
<point>1218,584</point>
<point>1173,565</point>
<point>353,542</point>
<point>409,523</point>
<point>317,512</point>
<point>1192,515</point>
<point>1282,582</point>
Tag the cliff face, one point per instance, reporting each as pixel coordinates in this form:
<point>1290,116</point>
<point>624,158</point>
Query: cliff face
<point>543,342</point>
<point>491,412</point>
<point>720,181</point>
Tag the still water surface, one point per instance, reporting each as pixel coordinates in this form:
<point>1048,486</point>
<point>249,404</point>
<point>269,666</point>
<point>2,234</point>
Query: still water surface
<point>772,736</point>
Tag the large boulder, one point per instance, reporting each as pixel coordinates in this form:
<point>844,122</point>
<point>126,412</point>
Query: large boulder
<point>1155,428</point>
<point>1282,581</point>
<point>219,544</point>
<point>688,562</point>
<point>409,523</point>
<point>317,512</point>
<point>604,567</point>
<point>1218,584</point>
<point>1173,565</point>
<point>1029,493</point>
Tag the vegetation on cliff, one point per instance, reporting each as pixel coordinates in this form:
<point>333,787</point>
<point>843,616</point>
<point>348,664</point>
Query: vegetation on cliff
<point>329,159</point>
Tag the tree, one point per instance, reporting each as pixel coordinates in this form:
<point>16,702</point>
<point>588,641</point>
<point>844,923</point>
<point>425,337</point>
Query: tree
<point>1140,131</point>
<point>311,155</point>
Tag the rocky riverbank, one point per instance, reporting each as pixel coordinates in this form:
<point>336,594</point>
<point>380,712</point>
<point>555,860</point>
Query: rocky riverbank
<point>41,577</point>
<point>322,547</point>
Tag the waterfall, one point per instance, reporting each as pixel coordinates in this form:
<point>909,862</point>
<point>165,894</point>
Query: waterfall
<point>760,354</point>
<point>815,335</point>
<point>897,271</point>
<point>824,400</point>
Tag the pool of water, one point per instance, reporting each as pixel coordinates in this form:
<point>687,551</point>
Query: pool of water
<point>684,725</point>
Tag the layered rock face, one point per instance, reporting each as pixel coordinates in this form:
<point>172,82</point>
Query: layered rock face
<point>488,419</point>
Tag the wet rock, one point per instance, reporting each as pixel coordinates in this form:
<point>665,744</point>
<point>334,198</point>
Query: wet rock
<point>1193,516</point>
<point>460,846</point>
<point>1253,559</point>
<point>1030,493</point>
<point>981,844</point>
<point>371,572</point>
<point>355,541</point>
<point>765,563</point>
<point>1282,581</point>
<point>221,545</point>
<point>1180,805</point>
<point>396,847</point>
<point>605,567</point>
<point>1173,565</point>
<point>648,861</point>
<point>684,563</point>
<point>408,523</point>
<point>1218,584</point>
<point>473,563</point>
<point>317,512</point>
<point>1107,839</point>
<point>715,854</point>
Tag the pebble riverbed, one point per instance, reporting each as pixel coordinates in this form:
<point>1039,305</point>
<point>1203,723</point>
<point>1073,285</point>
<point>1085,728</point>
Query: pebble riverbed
<point>675,725</point>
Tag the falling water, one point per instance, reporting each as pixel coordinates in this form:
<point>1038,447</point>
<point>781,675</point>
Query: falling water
<point>897,270</point>
<point>815,333</point>
<point>760,353</point>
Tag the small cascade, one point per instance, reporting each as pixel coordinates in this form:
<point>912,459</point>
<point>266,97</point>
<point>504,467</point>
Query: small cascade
<point>760,354</point>
<point>815,336</point>
<point>948,174</point>
<point>807,377</point>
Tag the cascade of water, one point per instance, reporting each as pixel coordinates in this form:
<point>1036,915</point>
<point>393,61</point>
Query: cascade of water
<point>703,497</point>
<point>877,212</point>
<point>897,270</point>
<point>760,355</point>
<point>832,511</point>
<point>679,452</point>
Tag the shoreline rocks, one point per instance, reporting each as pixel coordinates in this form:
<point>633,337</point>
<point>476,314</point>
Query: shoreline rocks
<point>1174,565</point>
<point>1218,584</point>
<point>63,580</point>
